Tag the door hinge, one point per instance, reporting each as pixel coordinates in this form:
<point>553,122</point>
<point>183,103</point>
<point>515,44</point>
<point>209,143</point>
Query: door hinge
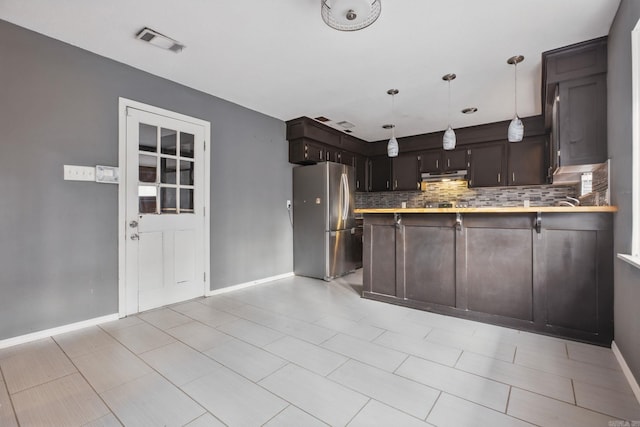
<point>204,144</point>
<point>204,277</point>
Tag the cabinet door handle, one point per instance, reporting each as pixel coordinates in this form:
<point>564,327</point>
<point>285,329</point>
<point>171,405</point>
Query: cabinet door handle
<point>396,184</point>
<point>387,183</point>
<point>513,176</point>
<point>437,164</point>
<point>448,163</point>
<point>498,177</point>
<point>358,184</point>
<point>321,152</point>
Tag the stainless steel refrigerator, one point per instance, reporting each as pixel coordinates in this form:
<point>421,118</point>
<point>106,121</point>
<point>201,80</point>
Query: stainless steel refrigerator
<point>323,220</point>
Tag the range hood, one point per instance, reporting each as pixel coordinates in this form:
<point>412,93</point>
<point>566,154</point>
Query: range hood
<point>458,175</point>
<point>564,175</point>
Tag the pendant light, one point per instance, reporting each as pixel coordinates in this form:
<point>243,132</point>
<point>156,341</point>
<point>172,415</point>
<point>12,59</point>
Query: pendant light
<point>449,137</point>
<point>516,128</point>
<point>350,15</point>
<point>392,145</point>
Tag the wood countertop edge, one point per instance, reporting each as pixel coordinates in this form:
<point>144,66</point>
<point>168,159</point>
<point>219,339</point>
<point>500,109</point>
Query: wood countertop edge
<point>520,209</point>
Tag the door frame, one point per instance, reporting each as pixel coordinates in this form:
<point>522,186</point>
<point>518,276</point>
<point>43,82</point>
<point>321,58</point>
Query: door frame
<point>123,104</point>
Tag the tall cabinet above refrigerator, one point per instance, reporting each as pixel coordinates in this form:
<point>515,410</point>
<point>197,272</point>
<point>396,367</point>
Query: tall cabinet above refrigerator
<point>323,220</point>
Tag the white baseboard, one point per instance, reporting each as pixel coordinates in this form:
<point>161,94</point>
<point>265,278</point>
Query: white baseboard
<point>249,284</point>
<point>22,339</point>
<point>627,372</point>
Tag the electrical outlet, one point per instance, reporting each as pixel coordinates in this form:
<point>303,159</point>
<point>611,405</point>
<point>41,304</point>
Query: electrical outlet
<point>79,173</point>
<point>288,204</point>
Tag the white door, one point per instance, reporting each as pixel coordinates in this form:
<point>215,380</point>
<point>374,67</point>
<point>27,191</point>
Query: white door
<point>165,203</point>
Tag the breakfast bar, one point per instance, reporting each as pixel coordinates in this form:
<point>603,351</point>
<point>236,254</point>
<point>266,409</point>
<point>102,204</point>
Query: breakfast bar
<point>541,269</point>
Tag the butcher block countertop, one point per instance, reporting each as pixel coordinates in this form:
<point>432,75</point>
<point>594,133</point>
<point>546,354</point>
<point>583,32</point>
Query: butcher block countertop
<point>517,209</point>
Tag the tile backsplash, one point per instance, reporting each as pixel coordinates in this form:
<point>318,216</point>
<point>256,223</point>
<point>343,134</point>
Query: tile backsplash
<point>457,191</point>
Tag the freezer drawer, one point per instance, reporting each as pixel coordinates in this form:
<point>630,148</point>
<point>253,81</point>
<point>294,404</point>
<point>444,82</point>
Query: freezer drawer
<point>340,260</point>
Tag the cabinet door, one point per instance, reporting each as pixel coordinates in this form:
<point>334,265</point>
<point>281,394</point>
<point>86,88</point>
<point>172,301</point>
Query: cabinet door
<point>405,173</point>
<point>454,160</point>
<point>361,173</point>
<point>332,154</point>
<point>431,161</point>
<point>498,265</point>
<point>574,268</point>
<point>379,255</point>
<point>426,255</point>
<point>303,152</point>
<point>314,152</point>
<point>347,158</point>
<point>380,173</point>
<point>487,166</point>
<point>583,116</point>
<point>526,162</point>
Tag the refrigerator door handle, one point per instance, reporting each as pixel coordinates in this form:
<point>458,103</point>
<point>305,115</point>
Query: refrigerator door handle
<point>345,194</point>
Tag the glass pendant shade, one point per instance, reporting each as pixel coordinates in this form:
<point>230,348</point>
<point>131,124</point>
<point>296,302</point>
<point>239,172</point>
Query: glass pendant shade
<point>350,15</point>
<point>516,130</point>
<point>449,139</point>
<point>392,147</point>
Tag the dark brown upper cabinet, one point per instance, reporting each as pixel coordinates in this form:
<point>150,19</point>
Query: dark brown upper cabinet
<point>582,120</point>
<point>487,165</point>
<point>526,162</point>
<point>360,163</point>
<point>380,173</point>
<point>574,95</point>
<point>305,152</point>
<point>405,172</point>
<point>438,161</point>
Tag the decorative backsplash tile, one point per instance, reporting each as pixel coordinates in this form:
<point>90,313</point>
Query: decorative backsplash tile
<point>458,192</point>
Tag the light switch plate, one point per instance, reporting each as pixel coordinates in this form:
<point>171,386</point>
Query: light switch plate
<point>79,173</point>
<point>107,174</point>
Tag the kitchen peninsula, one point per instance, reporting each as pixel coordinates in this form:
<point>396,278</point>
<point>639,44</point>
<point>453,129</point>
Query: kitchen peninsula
<point>541,269</point>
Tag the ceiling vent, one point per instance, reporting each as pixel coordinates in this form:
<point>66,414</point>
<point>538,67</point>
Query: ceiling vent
<point>345,124</point>
<point>155,38</point>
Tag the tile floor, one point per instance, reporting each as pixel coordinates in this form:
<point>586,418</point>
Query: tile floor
<point>302,352</point>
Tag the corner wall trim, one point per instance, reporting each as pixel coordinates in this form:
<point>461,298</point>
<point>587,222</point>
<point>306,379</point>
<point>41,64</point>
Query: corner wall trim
<point>627,372</point>
<point>249,284</point>
<point>23,339</point>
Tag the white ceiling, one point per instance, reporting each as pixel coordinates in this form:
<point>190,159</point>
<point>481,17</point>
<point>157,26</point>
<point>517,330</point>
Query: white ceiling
<point>279,58</point>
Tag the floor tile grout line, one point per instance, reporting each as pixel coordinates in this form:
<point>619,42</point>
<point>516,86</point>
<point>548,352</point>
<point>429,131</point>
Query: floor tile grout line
<point>506,408</point>
<point>359,410</point>
<point>573,390</point>
<point>379,401</point>
<point>434,405</point>
<point>6,388</point>
<point>88,383</point>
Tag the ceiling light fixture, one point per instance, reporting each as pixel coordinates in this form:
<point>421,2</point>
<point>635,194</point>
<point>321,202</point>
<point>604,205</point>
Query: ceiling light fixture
<point>160,40</point>
<point>449,137</point>
<point>392,145</point>
<point>350,15</point>
<point>469,110</point>
<point>516,128</point>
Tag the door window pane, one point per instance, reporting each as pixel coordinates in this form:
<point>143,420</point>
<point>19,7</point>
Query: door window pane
<point>147,168</point>
<point>168,171</point>
<point>186,200</point>
<point>168,138</point>
<point>147,195</point>
<point>186,145</point>
<point>186,172</point>
<point>148,138</point>
<point>167,200</point>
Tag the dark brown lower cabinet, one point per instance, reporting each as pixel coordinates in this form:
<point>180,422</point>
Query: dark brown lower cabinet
<point>427,259</point>
<point>380,233</point>
<point>499,276</point>
<point>550,273</point>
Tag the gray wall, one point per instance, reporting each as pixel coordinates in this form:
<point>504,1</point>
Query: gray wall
<point>627,278</point>
<point>58,239</point>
